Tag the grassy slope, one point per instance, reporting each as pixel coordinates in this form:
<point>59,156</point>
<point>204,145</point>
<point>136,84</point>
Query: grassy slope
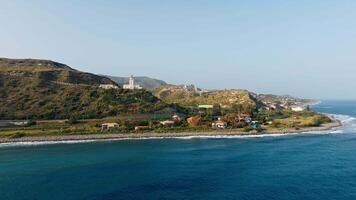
<point>48,90</point>
<point>225,98</point>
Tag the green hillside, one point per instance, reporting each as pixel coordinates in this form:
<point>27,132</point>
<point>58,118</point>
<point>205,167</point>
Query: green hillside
<point>42,89</point>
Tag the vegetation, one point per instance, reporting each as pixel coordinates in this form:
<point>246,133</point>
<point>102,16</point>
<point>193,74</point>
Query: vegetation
<point>40,89</point>
<point>297,120</point>
<point>231,100</point>
<point>73,126</point>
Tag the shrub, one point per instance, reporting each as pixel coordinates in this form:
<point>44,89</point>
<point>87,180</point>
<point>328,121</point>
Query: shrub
<point>72,120</point>
<point>248,129</point>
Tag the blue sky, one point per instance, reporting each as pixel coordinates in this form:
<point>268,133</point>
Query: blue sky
<point>303,48</point>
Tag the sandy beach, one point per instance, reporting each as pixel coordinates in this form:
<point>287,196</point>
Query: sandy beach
<point>113,136</point>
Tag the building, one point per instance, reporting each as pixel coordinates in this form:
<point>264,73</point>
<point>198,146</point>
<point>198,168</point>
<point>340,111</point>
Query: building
<point>131,85</point>
<point>297,108</point>
<point>168,123</point>
<point>219,124</point>
<point>107,126</point>
<point>137,128</point>
<point>176,118</point>
<point>245,117</point>
<point>195,120</point>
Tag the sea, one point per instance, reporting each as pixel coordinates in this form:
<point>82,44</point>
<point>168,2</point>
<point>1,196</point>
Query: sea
<point>317,165</point>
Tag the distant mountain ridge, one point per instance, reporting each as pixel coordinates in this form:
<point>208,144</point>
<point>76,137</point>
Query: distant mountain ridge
<point>44,89</point>
<point>143,81</point>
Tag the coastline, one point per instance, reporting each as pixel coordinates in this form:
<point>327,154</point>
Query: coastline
<point>150,135</point>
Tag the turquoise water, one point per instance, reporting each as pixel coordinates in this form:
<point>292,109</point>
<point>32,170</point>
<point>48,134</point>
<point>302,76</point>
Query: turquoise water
<point>306,166</point>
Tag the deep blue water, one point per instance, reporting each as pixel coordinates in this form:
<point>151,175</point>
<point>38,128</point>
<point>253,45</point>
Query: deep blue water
<point>307,166</point>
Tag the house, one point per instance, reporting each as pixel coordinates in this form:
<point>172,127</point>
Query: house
<point>297,108</point>
<point>195,120</point>
<point>219,124</point>
<point>245,117</point>
<point>108,86</point>
<point>137,128</point>
<point>131,85</point>
<point>168,123</point>
<point>176,118</point>
<point>108,126</point>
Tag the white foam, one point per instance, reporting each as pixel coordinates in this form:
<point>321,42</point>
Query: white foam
<point>346,119</point>
<point>36,143</point>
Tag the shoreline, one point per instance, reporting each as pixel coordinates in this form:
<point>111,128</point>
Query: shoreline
<point>113,136</point>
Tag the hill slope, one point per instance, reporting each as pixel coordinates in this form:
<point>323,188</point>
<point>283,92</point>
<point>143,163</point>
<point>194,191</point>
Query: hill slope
<point>43,89</point>
<point>189,95</point>
<point>143,81</point>
<point>237,99</point>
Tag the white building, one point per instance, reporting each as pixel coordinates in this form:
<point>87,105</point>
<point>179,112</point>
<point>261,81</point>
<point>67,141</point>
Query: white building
<point>108,126</point>
<point>168,123</point>
<point>297,108</point>
<point>131,85</point>
<point>108,86</point>
<point>219,124</point>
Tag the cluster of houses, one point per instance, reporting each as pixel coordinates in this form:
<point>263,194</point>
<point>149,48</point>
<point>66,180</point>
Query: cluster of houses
<point>243,117</point>
<point>276,106</point>
<point>192,121</point>
<point>167,123</point>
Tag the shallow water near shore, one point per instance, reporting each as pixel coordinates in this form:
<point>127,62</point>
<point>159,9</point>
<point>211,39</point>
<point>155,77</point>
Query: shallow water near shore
<point>297,166</point>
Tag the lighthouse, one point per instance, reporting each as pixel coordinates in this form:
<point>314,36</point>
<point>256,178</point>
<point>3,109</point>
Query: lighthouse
<point>131,85</point>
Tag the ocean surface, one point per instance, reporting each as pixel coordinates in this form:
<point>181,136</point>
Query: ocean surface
<point>321,165</point>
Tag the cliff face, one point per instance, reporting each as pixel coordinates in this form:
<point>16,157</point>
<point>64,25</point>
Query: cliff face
<point>43,89</point>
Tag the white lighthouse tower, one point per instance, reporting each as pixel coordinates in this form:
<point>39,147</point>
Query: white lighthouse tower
<point>131,85</point>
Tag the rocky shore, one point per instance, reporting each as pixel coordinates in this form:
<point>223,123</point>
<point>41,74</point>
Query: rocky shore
<point>323,127</point>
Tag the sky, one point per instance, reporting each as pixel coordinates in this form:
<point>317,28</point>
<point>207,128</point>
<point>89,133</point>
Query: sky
<point>303,48</point>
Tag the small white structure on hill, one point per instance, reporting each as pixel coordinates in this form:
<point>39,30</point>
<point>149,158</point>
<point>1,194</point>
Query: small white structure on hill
<point>131,85</point>
<point>108,86</point>
<point>107,126</point>
<point>297,108</point>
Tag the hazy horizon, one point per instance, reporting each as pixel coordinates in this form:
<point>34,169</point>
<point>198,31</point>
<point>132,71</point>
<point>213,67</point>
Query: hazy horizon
<point>302,48</point>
